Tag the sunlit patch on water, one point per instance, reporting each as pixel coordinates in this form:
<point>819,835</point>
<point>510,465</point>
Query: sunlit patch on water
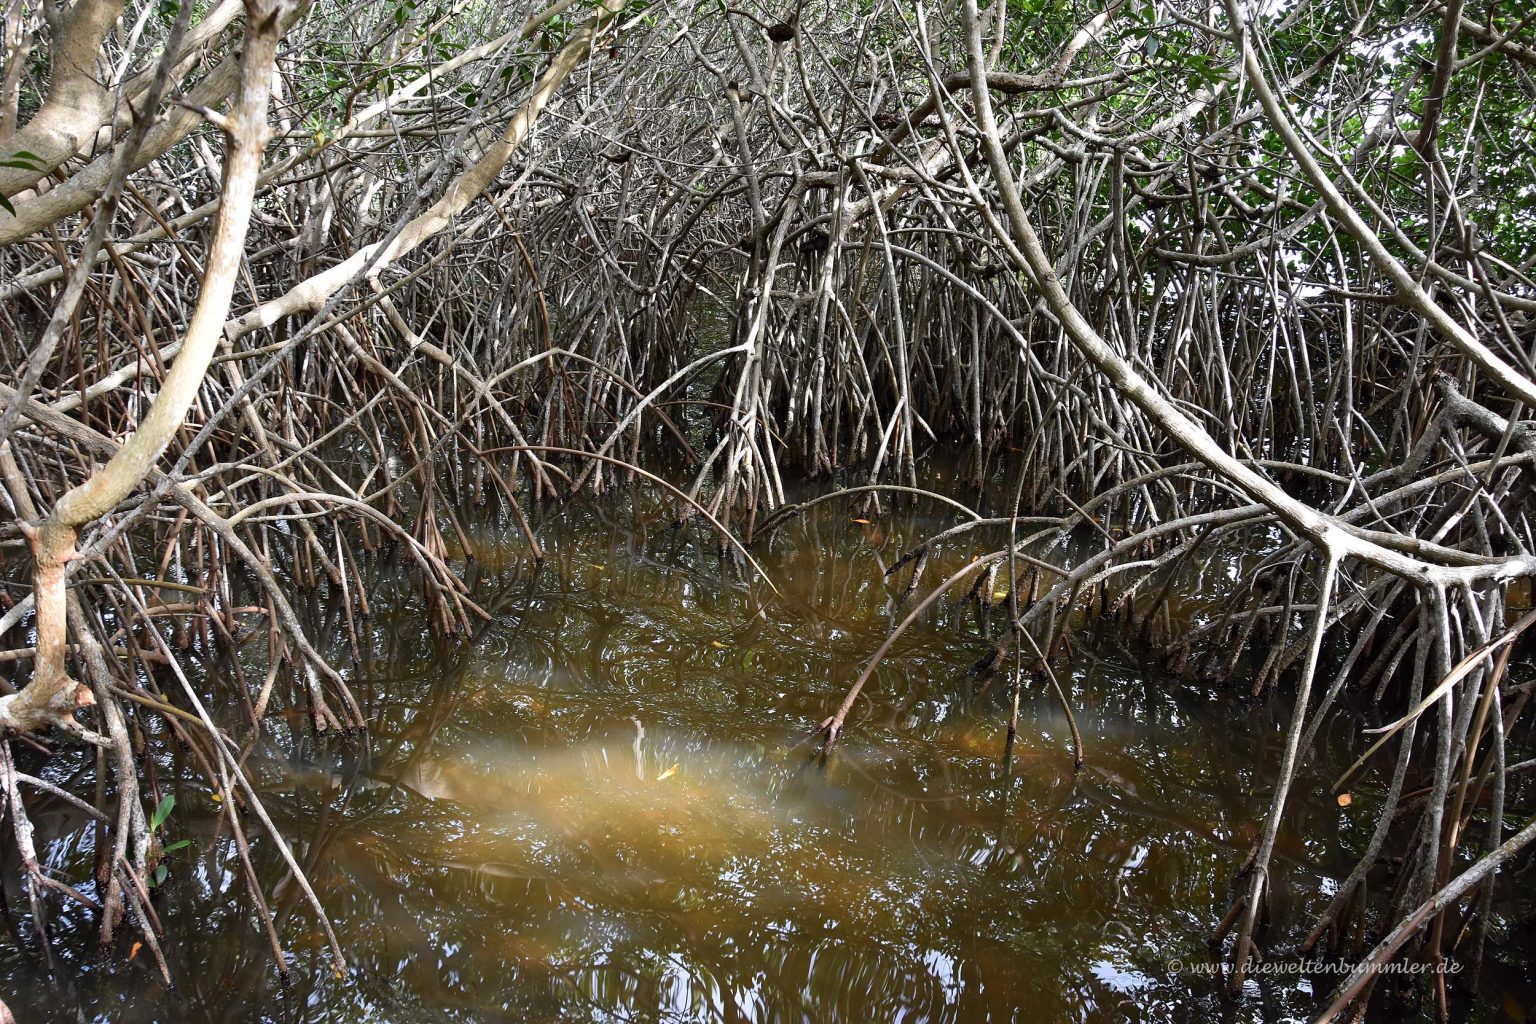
<point>603,807</point>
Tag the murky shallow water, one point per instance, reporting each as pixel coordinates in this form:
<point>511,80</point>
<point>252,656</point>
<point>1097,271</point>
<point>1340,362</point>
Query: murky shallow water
<point>603,809</point>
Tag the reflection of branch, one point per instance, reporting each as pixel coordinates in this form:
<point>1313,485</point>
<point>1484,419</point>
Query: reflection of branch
<point>1367,971</point>
<point>670,489</point>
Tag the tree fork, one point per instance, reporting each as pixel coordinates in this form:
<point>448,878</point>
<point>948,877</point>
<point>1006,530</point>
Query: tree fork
<point>52,696</point>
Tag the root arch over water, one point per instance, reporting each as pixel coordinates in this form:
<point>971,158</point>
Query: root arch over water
<point>1162,281</point>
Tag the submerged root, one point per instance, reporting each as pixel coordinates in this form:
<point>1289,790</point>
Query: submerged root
<point>837,242</point>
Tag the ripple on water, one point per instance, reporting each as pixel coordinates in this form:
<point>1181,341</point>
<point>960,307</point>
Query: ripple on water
<point>602,808</point>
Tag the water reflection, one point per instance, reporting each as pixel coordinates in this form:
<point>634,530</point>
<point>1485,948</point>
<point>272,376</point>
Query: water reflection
<point>603,809</point>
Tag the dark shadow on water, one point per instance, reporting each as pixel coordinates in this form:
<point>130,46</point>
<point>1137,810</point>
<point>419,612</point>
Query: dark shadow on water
<point>608,805</point>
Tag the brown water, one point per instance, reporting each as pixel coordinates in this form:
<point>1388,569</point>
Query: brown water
<point>602,808</point>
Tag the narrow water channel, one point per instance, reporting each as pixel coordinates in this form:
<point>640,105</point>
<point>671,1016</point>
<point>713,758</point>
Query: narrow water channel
<point>604,808</point>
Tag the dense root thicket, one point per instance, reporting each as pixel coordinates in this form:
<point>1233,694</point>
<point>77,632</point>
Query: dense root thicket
<point>1181,279</point>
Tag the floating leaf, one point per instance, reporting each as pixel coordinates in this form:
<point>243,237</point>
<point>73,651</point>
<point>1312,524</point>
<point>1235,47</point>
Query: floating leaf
<point>862,522</point>
<point>667,774</point>
<point>717,643</point>
<point>1345,799</point>
<point>135,950</point>
<point>999,595</point>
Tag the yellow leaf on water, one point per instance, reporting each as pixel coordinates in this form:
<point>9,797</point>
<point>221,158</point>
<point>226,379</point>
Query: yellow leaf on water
<point>862,522</point>
<point>667,774</point>
<point>717,643</point>
<point>597,565</point>
<point>999,595</point>
<point>1345,799</point>
<point>218,798</point>
<point>135,950</point>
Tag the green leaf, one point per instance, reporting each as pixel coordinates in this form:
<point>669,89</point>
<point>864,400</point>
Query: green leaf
<point>25,160</point>
<point>161,873</point>
<point>162,812</point>
<point>177,845</point>
<point>5,204</point>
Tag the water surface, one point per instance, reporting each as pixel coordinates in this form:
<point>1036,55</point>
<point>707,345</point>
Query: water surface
<point>603,807</point>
